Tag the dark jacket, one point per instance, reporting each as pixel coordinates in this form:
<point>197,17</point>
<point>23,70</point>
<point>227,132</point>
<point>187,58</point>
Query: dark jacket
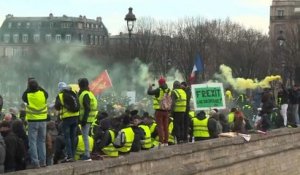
<point>283,96</point>
<point>102,139</point>
<point>138,136</point>
<point>294,96</point>
<point>2,154</point>
<point>15,153</point>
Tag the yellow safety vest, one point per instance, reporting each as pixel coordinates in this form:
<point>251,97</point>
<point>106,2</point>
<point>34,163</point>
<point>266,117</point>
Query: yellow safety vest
<point>36,110</point>
<point>192,114</point>
<point>64,112</point>
<point>146,143</point>
<point>110,150</point>
<point>80,146</point>
<point>155,141</point>
<point>156,101</point>
<point>180,103</point>
<point>200,128</point>
<point>129,137</point>
<point>230,117</point>
<point>170,129</point>
<point>93,106</point>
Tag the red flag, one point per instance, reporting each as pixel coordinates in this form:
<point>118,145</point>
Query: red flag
<point>101,83</point>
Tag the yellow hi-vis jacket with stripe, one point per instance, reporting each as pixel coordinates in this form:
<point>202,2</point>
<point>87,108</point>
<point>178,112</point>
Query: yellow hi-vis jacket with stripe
<point>129,137</point>
<point>146,143</point>
<point>155,141</point>
<point>64,112</point>
<point>37,109</point>
<point>171,136</point>
<point>156,101</point>
<point>80,146</point>
<point>200,127</point>
<point>180,103</point>
<point>93,106</point>
<point>110,150</point>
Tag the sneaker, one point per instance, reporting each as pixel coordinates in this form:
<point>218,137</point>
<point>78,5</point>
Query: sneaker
<point>165,144</point>
<point>85,158</point>
<point>67,159</point>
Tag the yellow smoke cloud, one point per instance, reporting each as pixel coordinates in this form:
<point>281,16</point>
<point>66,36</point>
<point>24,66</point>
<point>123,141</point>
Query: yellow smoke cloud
<point>242,84</point>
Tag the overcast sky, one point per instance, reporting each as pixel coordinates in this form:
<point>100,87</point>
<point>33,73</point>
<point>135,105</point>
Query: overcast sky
<point>250,13</point>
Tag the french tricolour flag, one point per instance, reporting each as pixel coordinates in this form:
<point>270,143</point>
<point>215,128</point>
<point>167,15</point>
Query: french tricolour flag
<point>197,68</point>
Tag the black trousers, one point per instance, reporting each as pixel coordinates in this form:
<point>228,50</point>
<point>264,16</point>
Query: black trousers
<point>179,126</point>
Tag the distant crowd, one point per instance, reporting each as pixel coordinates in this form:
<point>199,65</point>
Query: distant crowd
<point>75,129</point>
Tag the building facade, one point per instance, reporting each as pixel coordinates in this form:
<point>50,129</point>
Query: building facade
<point>19,35</point>
<point>285,38</point>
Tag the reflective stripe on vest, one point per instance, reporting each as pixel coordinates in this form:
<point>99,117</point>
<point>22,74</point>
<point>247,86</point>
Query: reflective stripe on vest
<point>230,117</point>
<point>80,146</point>
<point>180,104</point>
<point>200,128</point>
<point>156,101</point>
<point>64,112</point>
<point>146,143</point>
<point>37,106</point>
<point>110,150</point>
<point>93,106</point>
<point>129,137</point>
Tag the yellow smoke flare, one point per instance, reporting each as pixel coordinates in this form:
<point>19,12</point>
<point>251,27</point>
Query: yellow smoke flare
<point>241,84</point>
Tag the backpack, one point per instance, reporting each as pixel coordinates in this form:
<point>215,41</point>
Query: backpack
<point>71,101</point>
<point>166,101</point>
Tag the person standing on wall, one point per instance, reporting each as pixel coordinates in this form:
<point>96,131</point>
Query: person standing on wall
<point>88,112</point>
<point>161,116</point>
<point>36,114</point>
<point>69,118</point>
<point>178,110</point>
<point>188,92</point>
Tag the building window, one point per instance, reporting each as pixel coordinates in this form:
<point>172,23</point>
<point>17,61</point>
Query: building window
<point>39,25</point>
<point>36,38</point>
<point>16,38</point>
<point>280,12</point>
<point>58,38</point>
<point>19,24</point>
<point>91,40</point>
<point>25,38</point>
<point>9,25</point>
<point>80,25</point>
<point>68,38</point>
<point>97,26</point>
<point>9,51</point>
<point>81,37</point>
<point>87,25</point>
<point>96,40</point>
<point>28,25</point>
<point>51,25</point>
<point>48,37</point>
<point>65,25</point>
<point>6,38</point>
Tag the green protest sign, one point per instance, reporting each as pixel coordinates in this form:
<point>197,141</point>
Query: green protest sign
<point>208,96</point>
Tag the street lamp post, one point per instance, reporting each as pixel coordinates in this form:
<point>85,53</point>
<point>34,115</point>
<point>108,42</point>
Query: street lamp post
<point>281,42</point>
<point>130,18</point>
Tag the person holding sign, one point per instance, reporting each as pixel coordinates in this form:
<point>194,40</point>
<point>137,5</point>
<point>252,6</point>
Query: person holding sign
<point>178,110</point>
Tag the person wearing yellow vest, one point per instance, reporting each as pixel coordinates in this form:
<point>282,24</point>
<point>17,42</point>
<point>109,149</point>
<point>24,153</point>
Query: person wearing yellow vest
<point>230,116</point>
<point>104,140</point>
<point>36,114</point>
<point>80,148</point>
<point>171,140</point>
<point>161,116</point>
<point>178,111</point>
<point>87,114</point>
<point>146,142</point>
<point>69,121</point>
<point>125,137</point>
<point>203,127</point>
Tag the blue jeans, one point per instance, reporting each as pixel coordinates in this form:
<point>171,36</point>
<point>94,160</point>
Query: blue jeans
<point>69,126</point>
<point>85,134</point>
<point>37,146</point>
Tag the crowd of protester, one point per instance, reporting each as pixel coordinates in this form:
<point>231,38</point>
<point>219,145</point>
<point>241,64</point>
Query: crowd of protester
<point>38,135</point>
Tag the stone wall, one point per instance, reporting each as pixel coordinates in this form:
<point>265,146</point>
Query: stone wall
<point>274,153</point>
